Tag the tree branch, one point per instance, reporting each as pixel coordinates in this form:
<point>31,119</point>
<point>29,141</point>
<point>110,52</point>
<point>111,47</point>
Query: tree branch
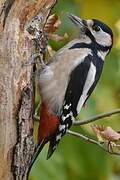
<point>97,117</point>
<point>102,145</point>
<point>89,120</point>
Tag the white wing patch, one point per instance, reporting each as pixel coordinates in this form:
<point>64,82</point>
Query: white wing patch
<point>67,116</point>
<point>67,106</point>
<point>89,82</point>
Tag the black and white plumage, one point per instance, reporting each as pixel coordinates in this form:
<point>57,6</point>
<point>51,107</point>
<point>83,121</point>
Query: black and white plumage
<point>71,75</point>
<point>86,55</point>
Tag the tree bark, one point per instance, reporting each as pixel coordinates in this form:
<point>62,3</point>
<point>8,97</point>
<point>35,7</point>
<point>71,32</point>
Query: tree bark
<point>17,85</point>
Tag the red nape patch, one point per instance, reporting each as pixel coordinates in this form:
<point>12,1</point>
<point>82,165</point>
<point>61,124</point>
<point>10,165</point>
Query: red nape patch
<point>48,124</point>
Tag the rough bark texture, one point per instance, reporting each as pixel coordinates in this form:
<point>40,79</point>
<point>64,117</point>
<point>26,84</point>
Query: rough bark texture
<point>16,85</point>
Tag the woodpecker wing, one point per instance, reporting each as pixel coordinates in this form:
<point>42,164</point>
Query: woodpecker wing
<point>83,80</point>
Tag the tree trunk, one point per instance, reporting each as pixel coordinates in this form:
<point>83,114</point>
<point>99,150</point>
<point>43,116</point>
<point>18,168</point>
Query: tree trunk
<point>17,85</point>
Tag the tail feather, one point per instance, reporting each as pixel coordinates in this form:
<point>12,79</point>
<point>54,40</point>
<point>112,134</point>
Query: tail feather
<point>52,147</point>
<point>37,152</point>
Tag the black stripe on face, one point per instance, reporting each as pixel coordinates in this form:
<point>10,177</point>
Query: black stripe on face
<point>95,47</point>
<point>89,34</point>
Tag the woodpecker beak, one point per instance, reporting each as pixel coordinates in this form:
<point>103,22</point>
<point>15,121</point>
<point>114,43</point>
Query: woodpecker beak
<point>79,22</point>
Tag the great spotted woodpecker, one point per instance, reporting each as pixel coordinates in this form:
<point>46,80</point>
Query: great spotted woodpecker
<point>69,78</point>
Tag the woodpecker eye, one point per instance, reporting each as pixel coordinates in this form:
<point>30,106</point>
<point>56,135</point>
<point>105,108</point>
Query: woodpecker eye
<point>96,28</point>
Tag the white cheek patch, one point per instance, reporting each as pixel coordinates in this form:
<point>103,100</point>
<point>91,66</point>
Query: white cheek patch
<point>102,38</point>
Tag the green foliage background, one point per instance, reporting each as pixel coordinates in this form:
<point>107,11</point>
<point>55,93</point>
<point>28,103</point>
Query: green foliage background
<point>75,159</point>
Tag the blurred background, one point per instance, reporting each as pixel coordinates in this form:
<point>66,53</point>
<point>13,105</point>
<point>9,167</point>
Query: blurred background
<point>75,159</point>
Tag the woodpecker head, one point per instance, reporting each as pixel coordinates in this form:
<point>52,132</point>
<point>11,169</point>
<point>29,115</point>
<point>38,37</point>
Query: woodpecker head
<point>97,32</point>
